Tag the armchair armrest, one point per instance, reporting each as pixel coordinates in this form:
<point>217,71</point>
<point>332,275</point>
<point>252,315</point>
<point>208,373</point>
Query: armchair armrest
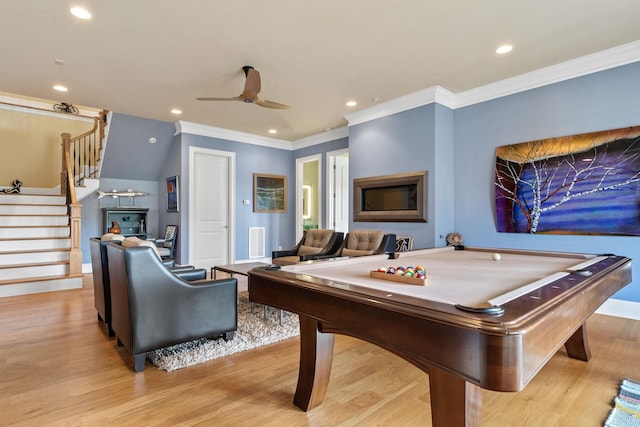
<point>190,274</point>
<point>287,252</point>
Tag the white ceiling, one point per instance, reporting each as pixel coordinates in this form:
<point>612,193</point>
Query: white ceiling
<point>145,57</point>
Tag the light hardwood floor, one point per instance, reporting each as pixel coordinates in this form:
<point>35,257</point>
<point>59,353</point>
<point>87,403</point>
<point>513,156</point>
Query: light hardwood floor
<point>58,368</point>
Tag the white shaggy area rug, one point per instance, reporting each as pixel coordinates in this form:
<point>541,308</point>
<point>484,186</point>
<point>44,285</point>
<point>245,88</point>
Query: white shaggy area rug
<point>253,331</point>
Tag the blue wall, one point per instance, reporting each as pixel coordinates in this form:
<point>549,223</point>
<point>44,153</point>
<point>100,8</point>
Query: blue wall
<point>250,159</point>
<point>323,149</point>
<point>601,101</point>
<point>130,154</point>
<point>410,141</point>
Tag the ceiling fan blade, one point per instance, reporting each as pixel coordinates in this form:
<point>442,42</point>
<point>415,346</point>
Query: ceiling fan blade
<point>210,98</point>
<point>271,104</point>
<point>251,85</point>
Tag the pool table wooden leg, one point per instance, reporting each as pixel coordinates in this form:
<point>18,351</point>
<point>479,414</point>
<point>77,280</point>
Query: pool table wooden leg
<point>577,345</point>
<point>316,355</point>
<point>454,401</point>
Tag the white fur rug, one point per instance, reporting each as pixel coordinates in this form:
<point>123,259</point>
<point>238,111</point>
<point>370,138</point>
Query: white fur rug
<point>253,331</point>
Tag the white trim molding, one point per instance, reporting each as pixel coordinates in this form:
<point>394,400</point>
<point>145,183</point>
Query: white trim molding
<point>620,308</point>
<point>407,102</point>
<point>230,135</point>
<point>589,64</point>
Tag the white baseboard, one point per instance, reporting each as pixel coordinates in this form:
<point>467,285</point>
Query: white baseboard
<point>244,261</point>
<point>40,286</point>
<point>620,308</point>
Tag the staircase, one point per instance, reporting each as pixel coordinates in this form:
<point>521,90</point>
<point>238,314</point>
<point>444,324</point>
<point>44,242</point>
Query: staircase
<point>35,245</point>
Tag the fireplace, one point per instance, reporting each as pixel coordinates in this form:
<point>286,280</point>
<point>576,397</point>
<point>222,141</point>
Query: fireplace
<point>390,198</point>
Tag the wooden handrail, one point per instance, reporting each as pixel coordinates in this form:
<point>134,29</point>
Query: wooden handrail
<point>83,151</point>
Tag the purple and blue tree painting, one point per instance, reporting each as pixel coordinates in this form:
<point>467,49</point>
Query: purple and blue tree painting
<point>579,184</point>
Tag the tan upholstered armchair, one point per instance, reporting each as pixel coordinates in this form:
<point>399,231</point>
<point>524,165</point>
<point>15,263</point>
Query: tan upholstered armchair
<point>364,242</point>
<point>313,243</point>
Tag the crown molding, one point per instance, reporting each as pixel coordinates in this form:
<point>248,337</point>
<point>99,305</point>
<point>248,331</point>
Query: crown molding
<point>589,64</point>
<point>319,138</point>
<point>404,103</point>
<point>44,109</point>
<point>230,135</point>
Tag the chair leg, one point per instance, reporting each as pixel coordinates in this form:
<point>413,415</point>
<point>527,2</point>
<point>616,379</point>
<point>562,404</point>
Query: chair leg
<point>228,336</point>
<point>138,362</point>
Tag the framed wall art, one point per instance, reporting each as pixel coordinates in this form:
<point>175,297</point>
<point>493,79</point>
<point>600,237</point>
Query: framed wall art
<point>269,193</point>
<point>173,196</point>
<point>578,184</point>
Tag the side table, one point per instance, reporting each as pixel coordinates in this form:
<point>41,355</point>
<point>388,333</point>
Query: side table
<point>242,269</point>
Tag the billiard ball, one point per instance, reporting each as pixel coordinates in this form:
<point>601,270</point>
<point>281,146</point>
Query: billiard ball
<point>496,257</point>
<point>391,270</point>
<point>382,270</point>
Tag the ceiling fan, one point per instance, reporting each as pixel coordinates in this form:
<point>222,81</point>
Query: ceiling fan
<point>250,92</point>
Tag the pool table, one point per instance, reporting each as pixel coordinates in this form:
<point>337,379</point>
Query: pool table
<point>477,323</point>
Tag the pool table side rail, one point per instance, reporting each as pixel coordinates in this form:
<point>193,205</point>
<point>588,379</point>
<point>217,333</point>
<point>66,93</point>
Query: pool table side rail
<point>497,353</point>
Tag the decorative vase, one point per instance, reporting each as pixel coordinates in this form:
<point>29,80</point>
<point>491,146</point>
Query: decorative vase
<point>115,228</point>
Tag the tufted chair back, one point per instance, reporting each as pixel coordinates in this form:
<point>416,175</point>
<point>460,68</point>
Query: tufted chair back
<point>363,242</point>
<point>313,243</point>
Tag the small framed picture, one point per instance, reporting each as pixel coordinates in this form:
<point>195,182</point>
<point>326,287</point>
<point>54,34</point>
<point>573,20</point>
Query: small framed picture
<point>269,193</point>
<point>173,196</point>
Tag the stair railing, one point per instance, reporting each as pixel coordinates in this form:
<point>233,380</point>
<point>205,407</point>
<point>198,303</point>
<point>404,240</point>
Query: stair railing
<point>80,157</point>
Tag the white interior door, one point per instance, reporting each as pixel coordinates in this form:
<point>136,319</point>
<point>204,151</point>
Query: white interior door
<point>210,213</point>
<point>341,191</point>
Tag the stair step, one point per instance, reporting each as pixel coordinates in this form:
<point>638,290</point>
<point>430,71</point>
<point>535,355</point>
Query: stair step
<point>14,209</point>
<point>33,199</point>
<point>33,232</point>
<point>39,284</point>
<point>16,220</point>
<point>34,244</point>
<point>34,270</point>
<point>40,256</point>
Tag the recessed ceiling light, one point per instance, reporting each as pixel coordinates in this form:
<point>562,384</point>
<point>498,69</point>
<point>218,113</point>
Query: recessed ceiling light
<point>351,103</point>
<point>505,48</point>
<point>176,111</point>
<point>80,12</point>
<point>60,88</point>
<point>273,131</point>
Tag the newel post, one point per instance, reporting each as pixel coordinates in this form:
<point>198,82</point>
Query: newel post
<point>75,256</point>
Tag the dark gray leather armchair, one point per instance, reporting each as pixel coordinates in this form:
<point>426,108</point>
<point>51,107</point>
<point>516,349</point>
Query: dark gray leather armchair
<point>101,285</point>
<point>153,308</point>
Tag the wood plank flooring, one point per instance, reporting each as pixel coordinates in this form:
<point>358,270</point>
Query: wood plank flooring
<point>58,368</point>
